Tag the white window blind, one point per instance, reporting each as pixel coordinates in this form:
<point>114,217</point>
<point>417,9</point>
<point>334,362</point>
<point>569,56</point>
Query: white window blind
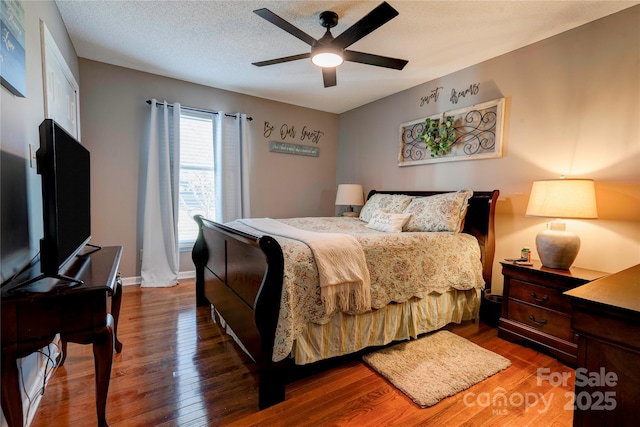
<point>197,182</point>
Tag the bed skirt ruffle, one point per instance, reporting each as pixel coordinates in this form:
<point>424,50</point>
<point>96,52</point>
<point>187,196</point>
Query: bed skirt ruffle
<point>346,334</point>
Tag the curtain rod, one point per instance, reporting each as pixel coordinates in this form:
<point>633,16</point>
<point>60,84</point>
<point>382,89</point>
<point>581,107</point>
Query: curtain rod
<point>201,110</point>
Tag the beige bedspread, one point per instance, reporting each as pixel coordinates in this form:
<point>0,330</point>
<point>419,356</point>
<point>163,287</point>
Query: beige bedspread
<point>401,266</point>
<point>343,274</point>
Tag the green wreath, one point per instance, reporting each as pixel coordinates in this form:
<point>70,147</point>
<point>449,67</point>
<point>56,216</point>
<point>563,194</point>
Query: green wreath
<point>438,135</point>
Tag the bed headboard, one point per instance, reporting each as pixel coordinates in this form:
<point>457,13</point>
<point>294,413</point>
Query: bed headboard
<point>478,222</point>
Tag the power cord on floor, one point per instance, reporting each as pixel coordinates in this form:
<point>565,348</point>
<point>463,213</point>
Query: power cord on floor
<point>49,367</point>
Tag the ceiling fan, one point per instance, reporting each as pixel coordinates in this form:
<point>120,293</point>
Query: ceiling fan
<point>329,52</point>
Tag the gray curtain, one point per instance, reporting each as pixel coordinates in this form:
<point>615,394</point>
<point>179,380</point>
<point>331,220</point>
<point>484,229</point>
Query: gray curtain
<point>160,250</point>
<point>231,158</point>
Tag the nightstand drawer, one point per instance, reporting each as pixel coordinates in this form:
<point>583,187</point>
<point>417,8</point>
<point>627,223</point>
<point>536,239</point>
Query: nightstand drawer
<point>541,319</point>
<point>539,295</point>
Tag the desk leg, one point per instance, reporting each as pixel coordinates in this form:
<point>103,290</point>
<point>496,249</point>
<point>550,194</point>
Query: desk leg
<point>116,301</point>
<point>63,351</point>
<point>103,357</point>
<point>11,401</point>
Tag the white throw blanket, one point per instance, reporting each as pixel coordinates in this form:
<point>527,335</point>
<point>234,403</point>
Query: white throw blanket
<point>343,274</point>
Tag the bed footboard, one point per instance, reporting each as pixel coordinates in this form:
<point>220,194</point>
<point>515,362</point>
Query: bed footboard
<point>240,275</point>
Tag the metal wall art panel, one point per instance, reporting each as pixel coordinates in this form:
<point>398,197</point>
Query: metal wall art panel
<point>478,135</point>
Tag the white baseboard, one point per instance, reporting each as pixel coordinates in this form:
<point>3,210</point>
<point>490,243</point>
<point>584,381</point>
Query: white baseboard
<point>187,274</point>
<point>127,281</point>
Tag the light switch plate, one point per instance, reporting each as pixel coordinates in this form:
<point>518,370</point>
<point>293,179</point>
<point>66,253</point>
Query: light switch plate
<point>33,163</point>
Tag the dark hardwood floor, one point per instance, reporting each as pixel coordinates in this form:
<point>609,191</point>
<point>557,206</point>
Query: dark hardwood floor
<point>178,368</point>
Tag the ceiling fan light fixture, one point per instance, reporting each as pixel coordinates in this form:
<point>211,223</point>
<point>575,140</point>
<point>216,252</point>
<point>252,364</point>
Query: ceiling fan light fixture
<point>327,59</point>
<point>329,52</point>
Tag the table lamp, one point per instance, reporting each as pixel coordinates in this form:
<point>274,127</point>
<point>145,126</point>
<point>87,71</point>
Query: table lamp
<point>561,198</point>
<point>350,195</point>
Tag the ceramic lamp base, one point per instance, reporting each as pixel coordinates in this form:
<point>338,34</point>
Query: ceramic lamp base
<point>557,248</point>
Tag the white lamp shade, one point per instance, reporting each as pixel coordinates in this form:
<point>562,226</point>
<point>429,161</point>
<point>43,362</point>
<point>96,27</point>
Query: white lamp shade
<point>350,195</point>
<point>563,198</point>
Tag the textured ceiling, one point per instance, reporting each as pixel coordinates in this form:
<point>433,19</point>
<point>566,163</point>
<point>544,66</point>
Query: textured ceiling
<point>213,43</point>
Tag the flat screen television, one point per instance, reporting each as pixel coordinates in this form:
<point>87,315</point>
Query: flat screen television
<point>15,248</point>
<point>64,166</point>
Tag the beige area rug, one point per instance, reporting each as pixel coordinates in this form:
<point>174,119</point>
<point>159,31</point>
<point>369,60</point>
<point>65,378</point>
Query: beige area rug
<point>435,366</point>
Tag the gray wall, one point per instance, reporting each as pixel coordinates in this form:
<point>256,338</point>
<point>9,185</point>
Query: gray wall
<point>20,117</point>
<point>572,109</point>
<point>19,121</point>
<point>114,116</point>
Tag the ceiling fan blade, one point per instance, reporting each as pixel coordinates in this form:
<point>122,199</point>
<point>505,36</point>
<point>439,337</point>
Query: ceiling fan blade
<point>377,60</point>
<point>281,60</point>
<point>289,28</point>
<point>373,20</point>
<point>329,76</point>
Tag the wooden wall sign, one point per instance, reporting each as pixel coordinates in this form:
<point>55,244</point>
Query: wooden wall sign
<point>286,148</point>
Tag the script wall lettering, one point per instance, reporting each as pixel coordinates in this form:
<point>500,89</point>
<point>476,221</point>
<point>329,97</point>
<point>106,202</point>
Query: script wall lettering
<point>311,135</point>
<point>456,94</point>
<point>267,130</point>
<point>433,96</point>
<point>290,132</point>
<point>286,131</point>
<point>473,89</point>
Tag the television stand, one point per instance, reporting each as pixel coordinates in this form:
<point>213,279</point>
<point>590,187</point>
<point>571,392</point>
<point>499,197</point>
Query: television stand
<point>94,248</point>
<point>31,318</point>
<point>16,289</point>
<point>15,286</point>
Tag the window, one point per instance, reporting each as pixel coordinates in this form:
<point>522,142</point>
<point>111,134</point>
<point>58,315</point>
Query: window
<point>197,189</point>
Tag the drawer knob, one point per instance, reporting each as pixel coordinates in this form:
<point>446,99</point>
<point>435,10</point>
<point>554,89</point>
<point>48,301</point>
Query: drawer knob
<point>533,319</point>
<point>545,298</point>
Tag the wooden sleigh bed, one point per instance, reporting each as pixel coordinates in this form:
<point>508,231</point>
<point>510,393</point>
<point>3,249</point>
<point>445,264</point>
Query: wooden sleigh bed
<point>240,274</point>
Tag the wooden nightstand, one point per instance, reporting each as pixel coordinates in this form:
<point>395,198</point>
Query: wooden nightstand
<point>534,309</point>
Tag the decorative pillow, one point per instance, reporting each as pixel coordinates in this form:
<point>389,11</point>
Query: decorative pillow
<point>388,203</point>
<point>441,212</point>
<point>390,223</point>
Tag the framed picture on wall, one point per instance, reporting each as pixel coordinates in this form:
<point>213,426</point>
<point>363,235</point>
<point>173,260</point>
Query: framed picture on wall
<point>13,70</point>
<point>477,134</point>
<point>61,91</point>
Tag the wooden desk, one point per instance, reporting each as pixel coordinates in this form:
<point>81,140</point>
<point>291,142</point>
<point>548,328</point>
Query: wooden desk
<point>606,316</point>
<point>34,314</point>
